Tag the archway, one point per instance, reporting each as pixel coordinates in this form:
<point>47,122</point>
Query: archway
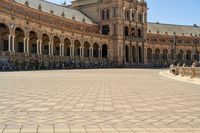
<point>165,53</point>
<point>77,46</point>
<point>104,51</point>
<point>133,32</point>
<point>127,53</point>
<point>180,55</point>
<point>19,40</point>
<point>196,56</point>
<point>126,32</point>
<point>45,44</point>
<point>188,55</point>
<point>157,54</point>
<point>86,49</point>
<point>96,50</point>
<point>4,32</point>
<point>56,46</point>
<point>33,42</point>
<point>133,54</point>
<point>140,54</point>
<point>139,33</point>
<point>67,44</point>
<point>149,55</point>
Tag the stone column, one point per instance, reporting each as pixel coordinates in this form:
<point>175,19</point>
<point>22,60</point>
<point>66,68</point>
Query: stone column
<point>41,47</point>
<point>38,43</point>
<point>192,54</point>
<point>52,53</point>
<point>9,42</point>
<point>92,52</point>
<point>24,45</point>
<point>60,50</point>
<point>137,14</point>
<point>13,43</point>
<point>145,56</point>
<point>83,52</point>
<point>49,48</point>
<point>184,56</point>
<point>27,45</point>
<point>138,56</point>
<point>143,17</point>
<point>99,53</point>
<point>131,15</point>
<point>72,51</point>
<point>130,54</point>
<point>161,56</point>
<point>153,55</point>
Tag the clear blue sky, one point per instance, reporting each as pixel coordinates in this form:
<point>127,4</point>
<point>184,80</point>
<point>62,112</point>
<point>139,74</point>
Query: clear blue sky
<point>184,12</point>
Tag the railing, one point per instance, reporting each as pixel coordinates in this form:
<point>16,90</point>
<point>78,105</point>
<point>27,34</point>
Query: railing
<point>193,72</point>
<point>139,39</point>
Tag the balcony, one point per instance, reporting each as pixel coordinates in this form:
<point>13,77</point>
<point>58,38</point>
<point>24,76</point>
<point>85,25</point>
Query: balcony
<point>136,39</point>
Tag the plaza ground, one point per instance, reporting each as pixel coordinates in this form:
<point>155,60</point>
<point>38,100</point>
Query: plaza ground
<point>90,101</point>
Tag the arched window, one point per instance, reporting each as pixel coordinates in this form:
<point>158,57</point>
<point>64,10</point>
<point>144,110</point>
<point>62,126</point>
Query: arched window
<point>105,51</point>
<point>126,31</point>
<point>165,53</point>
<point>105,30</point>
<point>103,15</point>
<point>133,32</point>
<point>127,53</point>
<point>107,14</point>
<point>4,32</point>
<point>139,33</point>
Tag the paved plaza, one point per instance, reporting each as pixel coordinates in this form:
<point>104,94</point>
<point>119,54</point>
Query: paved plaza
<point>97,101</point>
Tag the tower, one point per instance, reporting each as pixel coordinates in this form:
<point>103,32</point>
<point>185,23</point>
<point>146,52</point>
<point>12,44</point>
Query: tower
<point>126,22</point>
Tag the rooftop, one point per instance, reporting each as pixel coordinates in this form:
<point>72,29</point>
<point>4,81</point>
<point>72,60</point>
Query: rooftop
<point>172,29</point>
<point>57,10</point>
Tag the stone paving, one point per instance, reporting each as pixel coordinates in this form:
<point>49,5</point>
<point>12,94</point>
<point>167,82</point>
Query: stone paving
<point>97,101</point>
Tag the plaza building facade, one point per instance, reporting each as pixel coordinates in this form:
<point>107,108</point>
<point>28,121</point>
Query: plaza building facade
<point>36,34</point>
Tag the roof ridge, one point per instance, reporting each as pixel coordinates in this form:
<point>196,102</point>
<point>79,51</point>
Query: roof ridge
<point>173,24</point>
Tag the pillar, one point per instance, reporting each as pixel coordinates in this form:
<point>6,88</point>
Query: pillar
<point>130,55</point>
<point>49,48</point>
<point>145,56</point>
<point>52,53</point>
<point>24,45</point>
<point>13,43</point>
<point>9,42</point>
<point>38,43</point>
<point>184,56</point>
<point>41,47</point>
<point>92,51</point>
<point>192,55</point>
<point>83,52</point>
<point>27,45</point>
<point>138,56</point>
<point>72,50</point>
<point>99,53</point>
<point>161,56</point>
<point>63,50</point>
<point>137,14</point>
<point>60,50</point>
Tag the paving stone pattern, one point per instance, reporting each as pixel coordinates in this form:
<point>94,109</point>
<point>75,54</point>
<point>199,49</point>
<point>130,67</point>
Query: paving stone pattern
<point>97,101</point>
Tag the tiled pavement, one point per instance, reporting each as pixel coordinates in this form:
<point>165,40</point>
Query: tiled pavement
<point>97,101</point>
